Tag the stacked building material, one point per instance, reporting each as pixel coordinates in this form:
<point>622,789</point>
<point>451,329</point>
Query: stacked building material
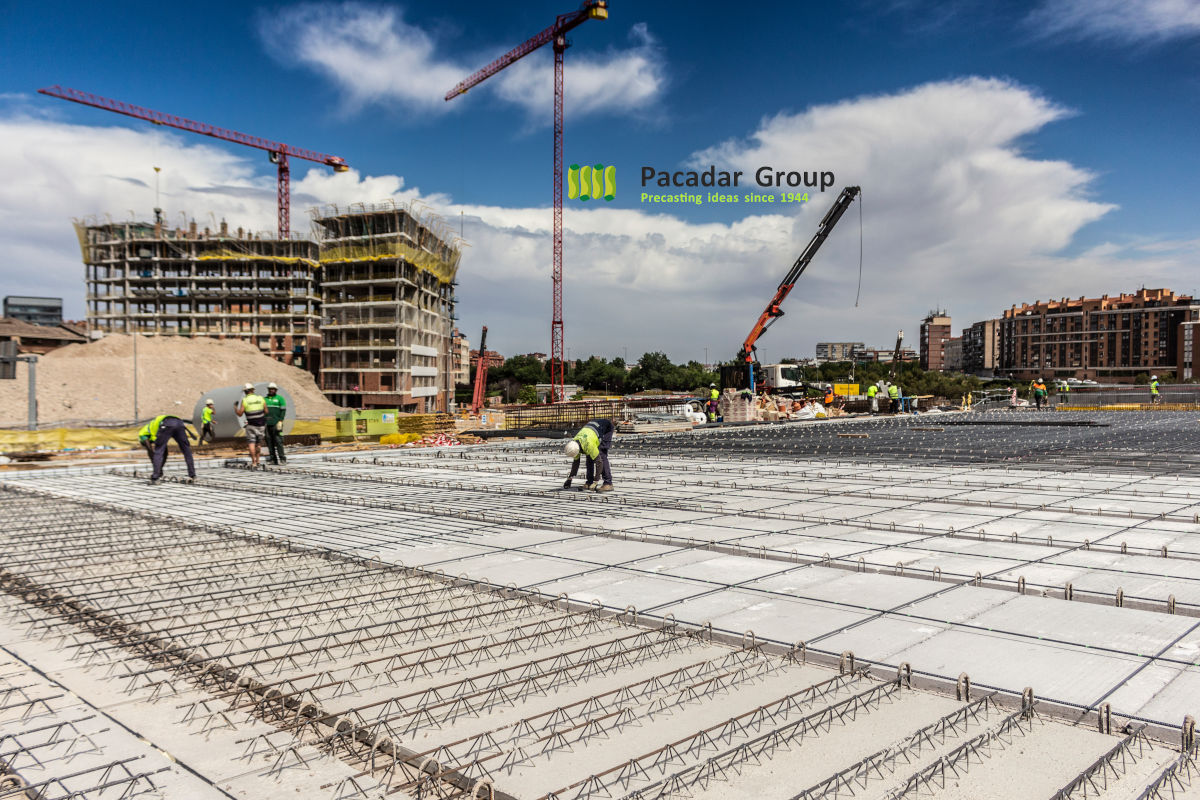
<point>737,407</point>
<point>425,423</point>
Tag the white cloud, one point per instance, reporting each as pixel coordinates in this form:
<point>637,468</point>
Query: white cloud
<point>955,214</point>
<point>1125,21</point>
<point>368,51</point>
<point>619,80</point>
<point>374,56</point>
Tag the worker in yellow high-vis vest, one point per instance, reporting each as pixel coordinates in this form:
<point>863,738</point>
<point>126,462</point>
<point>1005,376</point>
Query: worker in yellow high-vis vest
<point>206,422</point>
<point>254,408</point>
<point>592,441</point>
<point>156,434</point>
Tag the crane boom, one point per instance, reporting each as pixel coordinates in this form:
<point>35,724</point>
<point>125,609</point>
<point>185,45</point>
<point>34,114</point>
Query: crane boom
<point>773,310</point>
<point>481,370</point>
<point>556,33</point>
<point>594,9</point>
<point>280,152</point>
<point>895,367</point>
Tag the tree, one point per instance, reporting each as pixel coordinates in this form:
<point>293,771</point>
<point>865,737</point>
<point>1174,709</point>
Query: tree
<point>598,374</point>
<point>528,394</point>
<point>522,369</point>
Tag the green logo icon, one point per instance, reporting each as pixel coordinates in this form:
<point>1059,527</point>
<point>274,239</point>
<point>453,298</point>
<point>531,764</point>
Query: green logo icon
<point>591,182</point>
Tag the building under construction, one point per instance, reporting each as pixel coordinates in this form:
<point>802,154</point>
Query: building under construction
<point>148,279</point>
<point>387,292</point>
<point>376,282</point>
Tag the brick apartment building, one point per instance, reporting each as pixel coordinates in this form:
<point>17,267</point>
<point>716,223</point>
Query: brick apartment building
<point>981,348</point>
<point>840,351</point>
<point>494,359</point>
<point>952,355</point>
<point>1112,339</point>
<point>935,331</point>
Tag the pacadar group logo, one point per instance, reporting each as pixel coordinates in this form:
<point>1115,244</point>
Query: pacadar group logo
<point>591,182</point>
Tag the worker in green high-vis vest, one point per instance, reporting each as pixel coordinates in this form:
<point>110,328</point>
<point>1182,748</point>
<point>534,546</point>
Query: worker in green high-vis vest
<point>873,396</point>
<point>276,411</point>
<point>894,398</point>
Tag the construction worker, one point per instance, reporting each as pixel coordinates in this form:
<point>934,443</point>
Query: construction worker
<point>873,396</point>
<point>593,441</point>
<point>206,426</point>
<point>1064,393</point>
<point>1039,392</point>
<point>276,411</point>
<point>713,405</point>
<point>155,435</point>
<point>1154,396</point>
<point>828,396</point>
<point>894,398</point>
<point>254,408</point>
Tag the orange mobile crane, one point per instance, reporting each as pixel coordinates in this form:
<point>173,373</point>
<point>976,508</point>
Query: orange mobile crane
<point>773,310</point>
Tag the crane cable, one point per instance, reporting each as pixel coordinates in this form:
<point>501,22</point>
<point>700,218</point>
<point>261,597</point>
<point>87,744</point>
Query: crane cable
<point>858,293</point>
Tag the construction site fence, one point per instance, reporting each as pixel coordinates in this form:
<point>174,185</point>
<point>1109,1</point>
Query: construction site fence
<point>120,436</point>
<point>562,416</point>
<point>1174,394</point>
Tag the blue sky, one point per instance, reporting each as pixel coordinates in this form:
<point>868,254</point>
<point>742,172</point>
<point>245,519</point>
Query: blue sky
<point>1008,152</point>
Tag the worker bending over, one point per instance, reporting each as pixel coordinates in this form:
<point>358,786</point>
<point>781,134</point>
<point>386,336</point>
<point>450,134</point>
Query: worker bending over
<point>276,411</point>
<point>206,426</point>
<point>254,408</point>
<point>593,441</point>
<point>156,434</point>
<point>872,395</point>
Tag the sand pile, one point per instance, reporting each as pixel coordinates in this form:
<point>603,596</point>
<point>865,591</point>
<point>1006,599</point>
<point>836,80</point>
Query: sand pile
<point>84,383</point>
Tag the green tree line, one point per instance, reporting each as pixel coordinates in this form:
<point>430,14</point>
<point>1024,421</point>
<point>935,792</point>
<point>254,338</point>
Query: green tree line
<point>655,370</point>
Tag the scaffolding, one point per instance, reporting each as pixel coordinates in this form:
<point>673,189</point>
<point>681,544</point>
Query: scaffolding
<point>387,294</point>
<point>146,278</point>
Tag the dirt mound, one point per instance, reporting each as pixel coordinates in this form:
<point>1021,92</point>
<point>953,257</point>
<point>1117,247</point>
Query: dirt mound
<point>85,383</point>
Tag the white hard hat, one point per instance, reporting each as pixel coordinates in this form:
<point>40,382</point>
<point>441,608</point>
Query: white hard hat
<point>208,402</point>
<point>272,386</point>
<point>1153,377</point>
<point>249,387</point>
<point>571,449</point>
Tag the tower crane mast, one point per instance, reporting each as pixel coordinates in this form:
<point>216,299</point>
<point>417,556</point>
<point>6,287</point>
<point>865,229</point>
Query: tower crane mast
<point>556,33</point>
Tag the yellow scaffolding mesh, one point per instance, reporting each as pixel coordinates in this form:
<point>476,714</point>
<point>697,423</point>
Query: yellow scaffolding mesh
<point>231,255</point>
<point>444,270</point>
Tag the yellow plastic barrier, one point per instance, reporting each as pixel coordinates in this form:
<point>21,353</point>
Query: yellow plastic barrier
<point>325,426</point>
<point>68,439</point>
<point>119,438</point>
<point>399,438</point>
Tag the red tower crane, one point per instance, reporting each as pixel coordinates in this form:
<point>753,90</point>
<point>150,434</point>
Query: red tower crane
<point>280,153</point>
<point>481,370</point>
<point>556,33</point>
